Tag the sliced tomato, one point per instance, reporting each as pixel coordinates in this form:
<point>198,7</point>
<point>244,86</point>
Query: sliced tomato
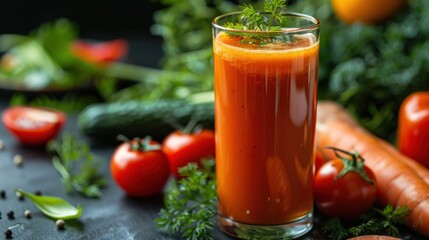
<point>101,52</point>
<point>31,125</point>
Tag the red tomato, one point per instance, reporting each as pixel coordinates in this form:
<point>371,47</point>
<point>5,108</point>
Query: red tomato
<point>102,52</point>
<point>31,125</point>
<point>183,148</point>
<point>413,127</point>
<point>140,167</point>
<point>346,196</point>
<point>318,161</point>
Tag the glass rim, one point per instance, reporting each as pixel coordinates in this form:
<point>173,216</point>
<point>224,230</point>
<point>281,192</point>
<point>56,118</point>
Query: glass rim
<point>314,26</point>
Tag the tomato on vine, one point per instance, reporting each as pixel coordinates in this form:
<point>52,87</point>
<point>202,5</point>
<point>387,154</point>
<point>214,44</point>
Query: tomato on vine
<point>140,167</point>
<point>344,187</point>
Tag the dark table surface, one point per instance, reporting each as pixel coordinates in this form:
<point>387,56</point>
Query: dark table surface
<point>114,216</point>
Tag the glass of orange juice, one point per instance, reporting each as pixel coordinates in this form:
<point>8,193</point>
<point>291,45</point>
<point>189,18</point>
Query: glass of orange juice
<point>265,115</point>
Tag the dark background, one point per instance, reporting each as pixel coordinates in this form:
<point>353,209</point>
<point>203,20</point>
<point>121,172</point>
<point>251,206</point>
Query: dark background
<point>95,19</point>
<point>94,16</point>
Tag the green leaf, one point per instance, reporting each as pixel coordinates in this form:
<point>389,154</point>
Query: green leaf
<point>54,207</point>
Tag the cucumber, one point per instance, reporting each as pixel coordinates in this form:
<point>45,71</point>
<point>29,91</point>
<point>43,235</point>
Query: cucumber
<point>105,121</point>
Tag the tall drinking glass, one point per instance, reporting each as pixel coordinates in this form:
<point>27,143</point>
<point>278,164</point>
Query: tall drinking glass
<point>265,115</point>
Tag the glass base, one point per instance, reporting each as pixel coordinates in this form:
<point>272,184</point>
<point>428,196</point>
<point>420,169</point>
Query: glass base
<point>284,231</point>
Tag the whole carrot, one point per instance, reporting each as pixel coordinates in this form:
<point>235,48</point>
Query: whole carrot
<point>332,111</point>
<point>399,180</point>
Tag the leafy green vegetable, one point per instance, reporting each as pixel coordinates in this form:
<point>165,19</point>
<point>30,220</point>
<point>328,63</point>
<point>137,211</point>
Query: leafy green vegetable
<point>78,167</point>
<point>42,60</point>
<point>375,222</point>
<point>54,207</point>
<point>190,204</point>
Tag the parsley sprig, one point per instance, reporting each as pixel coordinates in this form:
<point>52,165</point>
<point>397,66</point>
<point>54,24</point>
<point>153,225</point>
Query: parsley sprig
<point>78,166</point>
<point>256,21</point>
<point>190,203</point>
<point>374,222</point>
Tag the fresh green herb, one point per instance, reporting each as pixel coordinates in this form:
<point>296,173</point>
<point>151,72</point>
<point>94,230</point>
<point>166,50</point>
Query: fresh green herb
<point>78,167</point>
<point>256,21</point>
<point>271,19</point>
<point>392,217</point>
<point>374,222</point>
<point>54,207</point>
<point>190,204</point>
<point>334,229</point>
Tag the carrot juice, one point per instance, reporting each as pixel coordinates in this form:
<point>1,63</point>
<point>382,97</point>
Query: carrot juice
<point>265,114</point>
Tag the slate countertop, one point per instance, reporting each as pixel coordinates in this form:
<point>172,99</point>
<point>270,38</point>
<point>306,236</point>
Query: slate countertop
<point>114,216</point>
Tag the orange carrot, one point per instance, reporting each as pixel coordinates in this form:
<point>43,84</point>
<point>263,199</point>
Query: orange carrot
<point>332,111</point>
<point>399,180</point>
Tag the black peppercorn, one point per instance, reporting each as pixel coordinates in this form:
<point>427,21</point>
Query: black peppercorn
<point>8,233</point>
<point>38,193</point>
<point>11,215</point>
<point>3,194</point>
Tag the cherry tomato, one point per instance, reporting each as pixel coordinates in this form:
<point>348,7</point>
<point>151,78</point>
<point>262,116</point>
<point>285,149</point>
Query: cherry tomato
<point>366,11</point>
<point>318,161</point>
<point>344,188</point>
<point>140,167</point>
<point>183,148</point>
<point>101,52</point>
<point>413,127</point>
<point>31,125</point>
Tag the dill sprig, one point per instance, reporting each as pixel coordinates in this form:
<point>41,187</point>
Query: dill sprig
<point>190,203</point>
<point>270,19</point>
<point>78,166</point>
<point>374,222</point>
